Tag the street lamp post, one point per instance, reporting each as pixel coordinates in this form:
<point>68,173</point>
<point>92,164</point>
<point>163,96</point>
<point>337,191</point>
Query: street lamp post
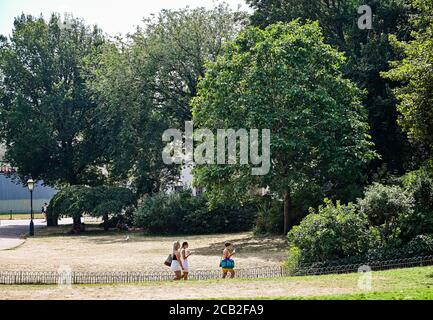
<point>30,185</point>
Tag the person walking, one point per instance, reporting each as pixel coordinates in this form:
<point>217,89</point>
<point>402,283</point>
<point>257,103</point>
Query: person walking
<point>176,263</point>
<point>227,263</point>
<point>45,211</point>
<point>185,253</point>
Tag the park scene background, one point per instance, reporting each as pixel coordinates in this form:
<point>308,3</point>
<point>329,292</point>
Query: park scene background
<point>349,104</point>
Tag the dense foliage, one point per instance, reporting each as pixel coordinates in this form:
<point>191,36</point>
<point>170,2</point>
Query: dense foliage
<point>183,213</point>
<point>390,222</point>
<point>46,112</point>
<point>415,73</point>
<point>385,207</point>
<point>368,51</point>
<point>333,232</point>
<point>420,185</point>
<point>319,135</point>
<point>143,86</point>
<point>76,201</point>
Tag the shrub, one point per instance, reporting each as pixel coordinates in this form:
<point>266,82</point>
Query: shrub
<point>421,245</point>
<point>390,222</point>
<point>420,184</point>
<point>385,206</point>
<point>182,213</point>
<point>333,232</point>
<point>294,259</point>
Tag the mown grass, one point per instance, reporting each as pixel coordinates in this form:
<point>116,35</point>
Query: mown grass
<point>404,294</point>
<point>20,216</point>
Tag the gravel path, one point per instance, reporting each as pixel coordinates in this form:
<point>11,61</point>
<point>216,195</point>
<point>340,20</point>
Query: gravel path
<point>13,233</point>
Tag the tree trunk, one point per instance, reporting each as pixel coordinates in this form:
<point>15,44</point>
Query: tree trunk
<point>52,221</point>
<point>287,205</point>
<point>76,227</point>
<point>105,222</point>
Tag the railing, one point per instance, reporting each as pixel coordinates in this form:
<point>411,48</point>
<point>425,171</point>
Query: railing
<point>79,277</point>
<point>373,265</point>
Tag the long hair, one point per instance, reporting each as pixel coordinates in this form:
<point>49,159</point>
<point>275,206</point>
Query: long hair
<point>176,245</point>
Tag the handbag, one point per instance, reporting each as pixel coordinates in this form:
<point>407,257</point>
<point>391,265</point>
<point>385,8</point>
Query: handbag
<point>227,263</point>
<point>168,260</point>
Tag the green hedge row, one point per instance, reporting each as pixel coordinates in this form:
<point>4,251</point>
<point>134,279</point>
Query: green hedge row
<point>182,213</point>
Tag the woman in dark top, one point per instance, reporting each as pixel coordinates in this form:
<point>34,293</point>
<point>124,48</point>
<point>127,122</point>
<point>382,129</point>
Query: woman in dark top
<point>176,265</point>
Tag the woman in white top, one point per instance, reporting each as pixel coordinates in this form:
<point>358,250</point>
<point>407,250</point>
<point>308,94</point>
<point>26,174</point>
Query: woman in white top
<point>176,265</point>
<point>184,253</point>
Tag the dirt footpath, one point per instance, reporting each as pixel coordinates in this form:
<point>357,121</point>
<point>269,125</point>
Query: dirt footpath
<point>183,290</point>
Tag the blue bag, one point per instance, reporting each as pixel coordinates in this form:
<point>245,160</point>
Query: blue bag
<point>227,263</point>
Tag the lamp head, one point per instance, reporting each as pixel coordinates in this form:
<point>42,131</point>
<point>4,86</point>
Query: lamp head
<point>30,184</point>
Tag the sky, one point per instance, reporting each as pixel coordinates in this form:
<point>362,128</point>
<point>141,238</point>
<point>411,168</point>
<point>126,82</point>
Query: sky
<point>114,17</point>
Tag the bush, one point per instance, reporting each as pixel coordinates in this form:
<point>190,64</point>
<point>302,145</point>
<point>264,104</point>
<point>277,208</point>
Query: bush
<point>182,213</point>
<point>421,245</point>
<point>385,207</point>
<point>333,232</point>
<point>390,222</point>
<point>420,184</point>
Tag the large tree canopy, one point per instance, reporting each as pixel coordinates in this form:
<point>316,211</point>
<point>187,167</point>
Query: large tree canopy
<point>284,78</point>
<point>176,45</point>
<point>415,72</point>
<point>368,51</point>
<point>143,86</point>
<point>46,119</point>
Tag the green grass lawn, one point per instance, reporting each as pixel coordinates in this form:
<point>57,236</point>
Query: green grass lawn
<point>20,216</point>
<point>399,284</point>
<point>404,294</point>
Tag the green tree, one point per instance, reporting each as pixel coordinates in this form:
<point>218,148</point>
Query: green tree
<point>101,201</point>
<point>368,53</point>
<point>284,78</point>
<point>174,47</point>
<point>46,114</point>
<point>128,124</point>
<point>143,86</point>
<point>415,73</point>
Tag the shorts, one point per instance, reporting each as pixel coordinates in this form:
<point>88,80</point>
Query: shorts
<point>175,266</point>
<point>185,266</point>
<point>224,270</point>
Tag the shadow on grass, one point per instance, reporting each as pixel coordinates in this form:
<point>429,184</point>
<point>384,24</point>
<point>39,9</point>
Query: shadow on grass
<point>254,246</point>
<point>100,236</point>
<point>257,245</point>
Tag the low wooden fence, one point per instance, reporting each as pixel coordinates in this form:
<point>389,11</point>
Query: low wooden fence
<point>79,277</point>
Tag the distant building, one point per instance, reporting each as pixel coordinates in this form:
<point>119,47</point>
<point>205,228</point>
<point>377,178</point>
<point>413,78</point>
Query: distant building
<point>15,197</point>
<point>185,182</point>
